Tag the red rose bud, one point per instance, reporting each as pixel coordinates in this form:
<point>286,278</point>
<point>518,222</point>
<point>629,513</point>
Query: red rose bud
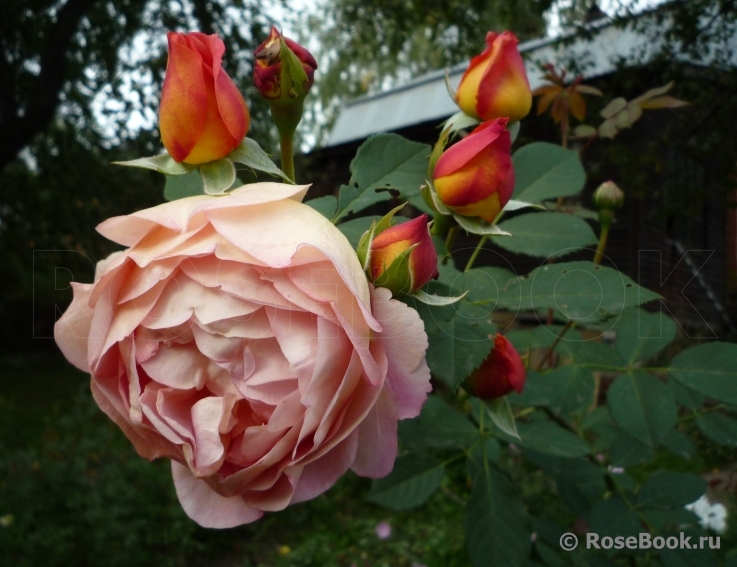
<point>500,373</point>
<point>475,177</point>
<point>267,71</point>
<point>202,116</point>
<point>495,84</point>
<point>283,73</point>
<point>393,267</point>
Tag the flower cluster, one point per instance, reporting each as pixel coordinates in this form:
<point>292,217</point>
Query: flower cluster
<point>475,177</point>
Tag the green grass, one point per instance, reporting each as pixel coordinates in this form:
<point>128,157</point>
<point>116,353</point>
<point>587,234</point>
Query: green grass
<point>73,492</point>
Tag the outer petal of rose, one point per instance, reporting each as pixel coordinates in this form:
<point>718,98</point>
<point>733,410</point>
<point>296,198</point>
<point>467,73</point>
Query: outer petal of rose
<point>324,472</point>
<point>275,232</point>
<point>73,329</point>
<point>178,215</point>
<point>405,343</point>
<point>505,89</point>
<point>232,107</point>
<point>471,146</point>
<point>182,111</point>
<point>205,506</point>
<point>377,440</point>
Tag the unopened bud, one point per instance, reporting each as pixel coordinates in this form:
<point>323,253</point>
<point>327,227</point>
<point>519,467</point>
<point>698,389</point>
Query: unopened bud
<point>608,196</point>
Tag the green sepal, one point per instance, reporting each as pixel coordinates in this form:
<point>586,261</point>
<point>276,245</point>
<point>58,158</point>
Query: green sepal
<point>475,225</point>
<point>438,149</point>
<point>163,163</point>
<point>217,176</point>
<point>250,154</point>
<point>364,247</point>
<point>501,415</point>
<point>397,277</point>
<point>436,300</point>
<point>364,244</point>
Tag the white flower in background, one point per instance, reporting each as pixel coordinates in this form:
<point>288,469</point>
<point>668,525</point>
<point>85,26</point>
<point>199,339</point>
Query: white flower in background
<point>711,516</point>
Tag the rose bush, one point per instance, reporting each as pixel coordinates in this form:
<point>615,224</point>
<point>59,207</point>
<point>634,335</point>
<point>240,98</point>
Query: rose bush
<point>239,337</point>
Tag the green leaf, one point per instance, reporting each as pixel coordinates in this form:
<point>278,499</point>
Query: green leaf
<point>411,482</point>
<point>501,415</point>
<point>626,451</point>
<point>162,163</point>
<point>384,161</point>
<point>710,369</point>
<point>537,337</point>
<point>546,235</point>
<point>686,396</point>
<point>324,205</point>
<point>679,444</point>
<point>181,186</point>
<point>582,291</point>
<point>217,176</point>
<point>496,524</point>
<point>642,406</point>
<point>489,287</point>
<point>546,171</point>
<point>547,437</point>
<point>718,428</point>
<point>250,154</point>
<point>442,427</point>
<point>640,334</point>
<point>563,389</point>
<point>354,229</point>
<point>588,351</point>
<point>475,225</point>
<point>460,339</point>
<point>666,489</point>
<point>612,517</point>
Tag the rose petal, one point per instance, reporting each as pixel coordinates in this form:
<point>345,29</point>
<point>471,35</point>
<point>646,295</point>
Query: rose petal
<point>207,507</point>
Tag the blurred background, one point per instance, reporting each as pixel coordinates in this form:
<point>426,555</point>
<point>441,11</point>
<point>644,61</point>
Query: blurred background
<point>79,88</point>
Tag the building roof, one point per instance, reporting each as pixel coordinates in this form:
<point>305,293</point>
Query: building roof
<point>426,98</point>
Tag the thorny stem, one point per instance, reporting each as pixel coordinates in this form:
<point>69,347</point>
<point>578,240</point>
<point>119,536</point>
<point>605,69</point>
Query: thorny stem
<point>568,326</point>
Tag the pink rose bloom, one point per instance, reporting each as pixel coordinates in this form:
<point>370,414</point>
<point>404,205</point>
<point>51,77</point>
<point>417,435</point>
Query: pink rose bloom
<point>239,337</point>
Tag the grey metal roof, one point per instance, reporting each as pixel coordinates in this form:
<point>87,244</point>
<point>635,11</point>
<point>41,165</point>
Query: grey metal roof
<point>426,98</point>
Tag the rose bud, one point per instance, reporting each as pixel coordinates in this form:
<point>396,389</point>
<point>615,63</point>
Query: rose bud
<point>608,196</point>
<point>495,84</point>
<point>202,116</point>
<point>403,257</point>
<point>499,374</point>
<point>475,177</point>
<point>283,73</point>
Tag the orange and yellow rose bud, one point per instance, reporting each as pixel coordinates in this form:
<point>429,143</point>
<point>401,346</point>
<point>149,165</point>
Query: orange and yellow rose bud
<point>403,258</point>
<point>495,85</point>
<point>475,177</point>
<point>202,116</point>
<point>501,372</point>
